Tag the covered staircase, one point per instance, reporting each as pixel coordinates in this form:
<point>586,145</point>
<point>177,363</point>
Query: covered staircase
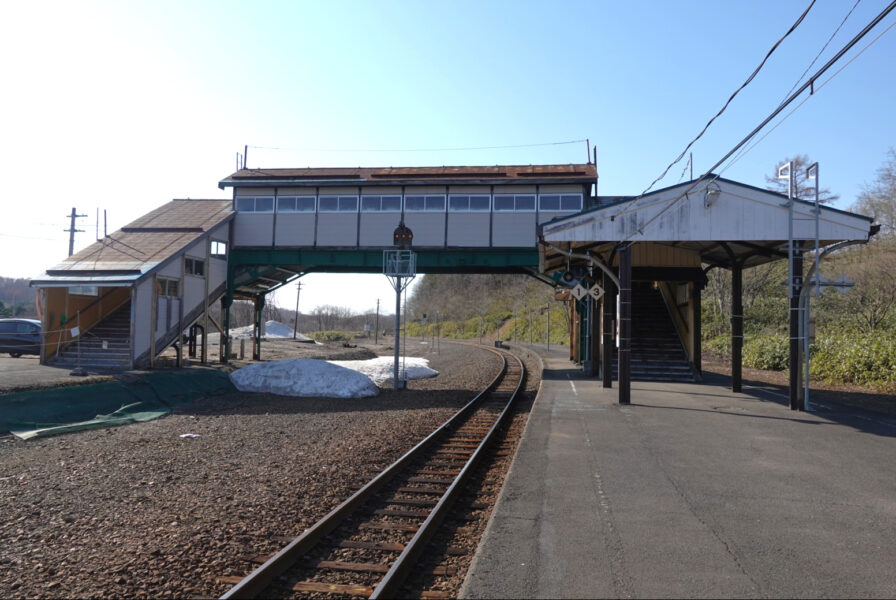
<point>106,346</point>
<point>657,351</point>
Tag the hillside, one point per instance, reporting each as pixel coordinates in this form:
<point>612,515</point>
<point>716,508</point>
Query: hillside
<point>17,299</point>
<point>491,306</point>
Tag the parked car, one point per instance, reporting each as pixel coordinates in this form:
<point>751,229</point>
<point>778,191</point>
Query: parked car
<point>19,336</point>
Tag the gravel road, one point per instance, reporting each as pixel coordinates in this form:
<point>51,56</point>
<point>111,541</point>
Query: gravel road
<point>139,511</point>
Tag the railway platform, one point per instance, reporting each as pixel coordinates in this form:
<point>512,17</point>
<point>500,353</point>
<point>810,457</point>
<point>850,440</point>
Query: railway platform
<point>690,491</point>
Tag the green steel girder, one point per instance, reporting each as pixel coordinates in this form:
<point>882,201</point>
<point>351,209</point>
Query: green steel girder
<point>359,260</point>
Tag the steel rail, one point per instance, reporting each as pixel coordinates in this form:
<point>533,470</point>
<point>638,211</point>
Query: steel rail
<point>388,586</point>
<point>254,583</point>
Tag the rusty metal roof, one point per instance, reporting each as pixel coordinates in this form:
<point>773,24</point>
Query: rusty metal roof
<point>584,173</point>
<point>148,241</point>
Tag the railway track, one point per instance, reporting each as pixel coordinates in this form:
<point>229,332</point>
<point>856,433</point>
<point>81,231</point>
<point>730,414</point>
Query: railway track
<point>367,545</point>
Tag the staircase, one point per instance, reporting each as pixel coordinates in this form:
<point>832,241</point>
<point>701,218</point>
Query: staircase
<point>107,346</point>
<point>657,352</point>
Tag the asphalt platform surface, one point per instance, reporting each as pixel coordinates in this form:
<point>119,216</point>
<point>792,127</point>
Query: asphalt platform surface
<point>690,491</point>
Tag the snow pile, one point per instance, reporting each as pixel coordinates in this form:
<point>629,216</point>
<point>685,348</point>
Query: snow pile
<point>304,377</point>
<point>272,329</point>
<point>380,369</point>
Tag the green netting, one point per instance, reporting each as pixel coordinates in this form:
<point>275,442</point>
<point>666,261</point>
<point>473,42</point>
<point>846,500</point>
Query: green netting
<point>148,396</point>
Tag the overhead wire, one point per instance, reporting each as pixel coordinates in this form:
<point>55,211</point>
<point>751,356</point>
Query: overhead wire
<point>731,98</point>
<point>810,83</point>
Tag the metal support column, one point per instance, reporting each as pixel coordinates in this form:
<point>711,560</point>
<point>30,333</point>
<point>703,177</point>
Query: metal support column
<point>593,338</point>
<point>697,327</point>
<point>796,396</point>
<point>609,345</point>
<point>224,344</point>
<point>256,341</point>
<point>737,327</point>
<point>625,323</point>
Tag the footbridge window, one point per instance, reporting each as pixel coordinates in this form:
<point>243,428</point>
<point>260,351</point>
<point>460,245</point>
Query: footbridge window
<point>258,204</point>
<point>169,287</point>
<point>469,203</point>
<point>427,203</point>
<point>381,204</point>
<point>560,202</point>
<point>515,202</point>
<point>342,204</point>
<point>293,204</point>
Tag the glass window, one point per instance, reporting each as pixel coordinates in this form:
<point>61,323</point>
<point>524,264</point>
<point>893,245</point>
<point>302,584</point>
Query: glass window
<point>194,266</point>
<point>8,327</point>
<point>480,203</point>
<point>525,203</point>
<point>571,202</point>
<point>218,249</point>
<point>371,204</point>
<point>305,204</point>
<point>435,203</point>
<point>168,287</point>
<point>549,202</point>
<point>84,290</point>
<point>414,203</point>
<point>391,203</point>
<point>286,204</point>
<point>380,203</point>
<point>459,203</point>
<point>329,204</point>
<point>263,204</point>
<point>348,204</point>
<point>27,328</point>
<point>504,202</point>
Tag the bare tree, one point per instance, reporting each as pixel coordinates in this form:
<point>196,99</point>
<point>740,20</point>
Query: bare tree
<point>805,187</point>
<point>878,199</point>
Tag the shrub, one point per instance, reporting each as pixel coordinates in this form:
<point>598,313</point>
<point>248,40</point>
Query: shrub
<point>331,336</point>
<point>860,358</point>
<point>771,352</point>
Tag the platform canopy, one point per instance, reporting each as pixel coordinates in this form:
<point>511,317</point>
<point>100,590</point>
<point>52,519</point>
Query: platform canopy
<point>721,221</point>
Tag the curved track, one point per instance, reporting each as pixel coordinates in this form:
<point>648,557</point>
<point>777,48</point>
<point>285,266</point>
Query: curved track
<point>367,545</point>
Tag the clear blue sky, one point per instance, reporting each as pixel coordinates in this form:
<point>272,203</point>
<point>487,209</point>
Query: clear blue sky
<point>125,105</point>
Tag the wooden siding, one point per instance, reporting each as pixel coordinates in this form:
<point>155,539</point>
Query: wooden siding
<point>647,254</point>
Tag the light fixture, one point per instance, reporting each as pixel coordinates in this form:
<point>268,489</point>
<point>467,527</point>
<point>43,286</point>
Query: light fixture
<point>711,194</point>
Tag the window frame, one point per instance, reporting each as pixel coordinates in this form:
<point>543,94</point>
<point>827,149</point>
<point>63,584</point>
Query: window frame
<point>339,199</point>
<point>213,253</point>
<point>515,208</point>
<point>190,264</point>
<point>469,208</point>
<point>379,198</point>
<point>426,199</point>
<point>165,284</point>
<point>255,201</point>
<point>297,198</point>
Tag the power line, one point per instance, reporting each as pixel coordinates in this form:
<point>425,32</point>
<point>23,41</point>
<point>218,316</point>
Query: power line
<point>823,48</point>
<point>736,92</point>
<point>461,149</point>
<point>810,83</point>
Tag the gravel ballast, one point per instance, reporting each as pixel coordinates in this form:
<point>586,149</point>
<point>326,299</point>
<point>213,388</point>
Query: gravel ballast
<point>140,511</point>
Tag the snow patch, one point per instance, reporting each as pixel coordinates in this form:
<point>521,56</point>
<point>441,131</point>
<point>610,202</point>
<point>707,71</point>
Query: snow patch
<point>304,377</point>
<point>309,377</point>
<point>380,369</point>
<point>272,329</point>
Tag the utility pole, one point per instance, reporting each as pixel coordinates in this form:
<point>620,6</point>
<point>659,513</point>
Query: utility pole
<point>376,329</point>
<point>72,231</point>
<point>295,326</point>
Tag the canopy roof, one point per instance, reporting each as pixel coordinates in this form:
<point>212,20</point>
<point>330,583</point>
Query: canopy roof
<point>723,221</point>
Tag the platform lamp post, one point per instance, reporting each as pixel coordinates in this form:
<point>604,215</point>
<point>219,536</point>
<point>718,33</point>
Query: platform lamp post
<point>811,173</point>
<point>400,267</point>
